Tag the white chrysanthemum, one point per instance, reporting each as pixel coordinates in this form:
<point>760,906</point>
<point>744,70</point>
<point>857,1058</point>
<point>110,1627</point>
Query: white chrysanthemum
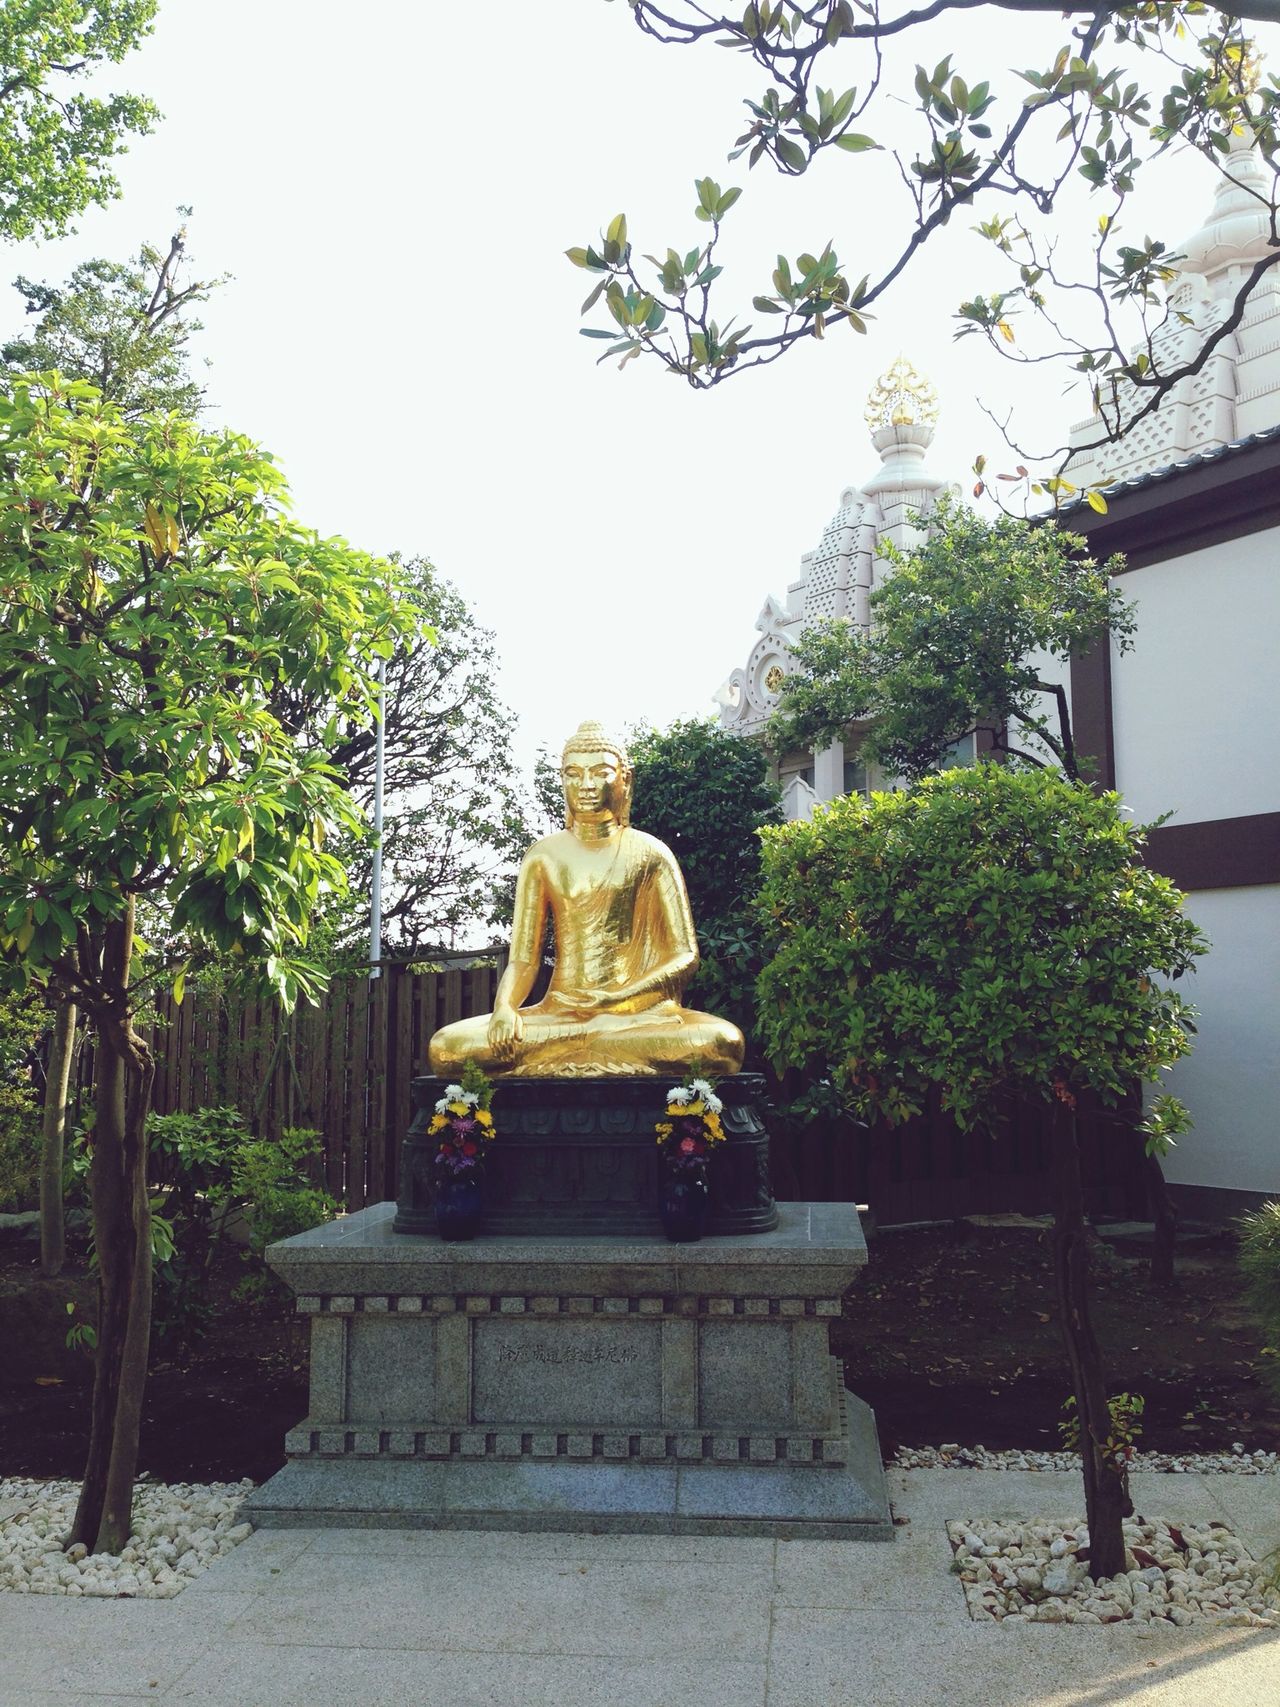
<point>713,1102</point>
<point>702,1087</point>
<point>442,1107</point>
<point>453,1093</point>
<point>678,1095</point>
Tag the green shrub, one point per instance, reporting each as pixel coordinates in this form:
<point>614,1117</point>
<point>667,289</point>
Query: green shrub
<point>1260,1265</point>
<point>192,1162</point>
<point>272,1180</point>
<point>205,1167</point>
<point>19,1149</point>
<point>22,1018</point>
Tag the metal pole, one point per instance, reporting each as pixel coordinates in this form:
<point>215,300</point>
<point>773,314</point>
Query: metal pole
<point>375,902</point>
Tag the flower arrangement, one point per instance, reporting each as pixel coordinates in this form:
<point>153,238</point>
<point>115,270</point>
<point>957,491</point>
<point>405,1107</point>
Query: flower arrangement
<point>463,1125</point>
<point>691,1127</point>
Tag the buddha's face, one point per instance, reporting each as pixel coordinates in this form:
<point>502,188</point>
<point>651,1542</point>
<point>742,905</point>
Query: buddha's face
<point>597,788</point>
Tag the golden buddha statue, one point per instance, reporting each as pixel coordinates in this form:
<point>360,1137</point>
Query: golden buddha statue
<point>625,948</point>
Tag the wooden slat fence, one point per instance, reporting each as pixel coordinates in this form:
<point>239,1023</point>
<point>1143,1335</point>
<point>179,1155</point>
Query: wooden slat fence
<point>345,1068</point>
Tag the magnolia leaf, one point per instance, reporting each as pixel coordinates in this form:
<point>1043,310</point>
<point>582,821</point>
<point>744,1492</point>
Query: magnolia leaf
<point>1097,502</point>
<point>156,528</point>
<point>854,143</point>
<point>594,297</point>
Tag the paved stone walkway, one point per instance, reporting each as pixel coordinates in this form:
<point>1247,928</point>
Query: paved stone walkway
<point>396,1618</point>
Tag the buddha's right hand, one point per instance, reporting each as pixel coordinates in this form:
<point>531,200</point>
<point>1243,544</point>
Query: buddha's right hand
<point>506,1029</point>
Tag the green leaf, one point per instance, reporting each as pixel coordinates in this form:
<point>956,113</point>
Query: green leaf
<point>854,143</point>
<point>791,154</point>
<point>843,107</point>
<point>594,297</point>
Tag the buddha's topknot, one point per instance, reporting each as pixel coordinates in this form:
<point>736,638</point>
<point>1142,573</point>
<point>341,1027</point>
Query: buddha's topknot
<point>593,737</point>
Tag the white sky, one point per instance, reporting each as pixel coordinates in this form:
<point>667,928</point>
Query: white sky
<point>392,186</point>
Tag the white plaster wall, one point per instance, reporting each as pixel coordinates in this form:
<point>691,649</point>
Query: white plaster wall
<point>1049,669</point>
<point>1231,1080</point>
<point>1197,701</point>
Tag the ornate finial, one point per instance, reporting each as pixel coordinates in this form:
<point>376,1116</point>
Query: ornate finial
<point>593,737</point>
<point>901,397</point>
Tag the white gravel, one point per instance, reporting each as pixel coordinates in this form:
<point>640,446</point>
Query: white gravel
<point>179,1530</point>
<point>1032,1570</point>
<point>1236,1462</point>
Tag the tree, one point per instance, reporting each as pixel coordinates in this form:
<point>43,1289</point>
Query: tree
<point>707,794</point>
<point>124,329</point>
<point>57,144</point>
<point>1061,144</point>
<point>986,931</point>
<point>965,633</point>
<point>455,822</point>
<point>155,601</point>
<point>123,326</point>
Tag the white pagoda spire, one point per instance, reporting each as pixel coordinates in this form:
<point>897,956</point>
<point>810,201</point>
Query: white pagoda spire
<point>1237,391</point>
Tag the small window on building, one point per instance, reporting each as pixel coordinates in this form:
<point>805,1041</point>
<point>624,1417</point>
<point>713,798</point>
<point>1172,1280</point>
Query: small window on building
<point>855,776</point>
<point>961,752</point>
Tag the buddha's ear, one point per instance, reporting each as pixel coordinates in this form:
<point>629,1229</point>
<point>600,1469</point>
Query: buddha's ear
<point>628,781</point>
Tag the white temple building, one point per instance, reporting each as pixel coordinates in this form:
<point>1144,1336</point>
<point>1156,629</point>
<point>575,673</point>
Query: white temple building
<point>1186,723</point>
<point>836,579</point>
<point>1237,392</point>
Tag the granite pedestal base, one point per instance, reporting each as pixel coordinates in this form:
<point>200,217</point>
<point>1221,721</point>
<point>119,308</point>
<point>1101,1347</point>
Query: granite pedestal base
<point>592,1383</point>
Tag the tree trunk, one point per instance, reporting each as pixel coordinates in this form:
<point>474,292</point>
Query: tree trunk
<point>53,1245</point>
<point>1106,1485</point>
<point>122,1240</point>
<point>1165,1217</point>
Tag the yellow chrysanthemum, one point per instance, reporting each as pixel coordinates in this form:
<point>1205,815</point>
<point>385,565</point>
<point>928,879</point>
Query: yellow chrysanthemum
<point>459,1108</point>
<point>484,1117</point>
<point>438,1123</point>
<point>694,1107</point>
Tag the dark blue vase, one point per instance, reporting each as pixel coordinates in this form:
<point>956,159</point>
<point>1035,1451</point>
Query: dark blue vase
<point>683,1206</point>
<point>459,1205</point>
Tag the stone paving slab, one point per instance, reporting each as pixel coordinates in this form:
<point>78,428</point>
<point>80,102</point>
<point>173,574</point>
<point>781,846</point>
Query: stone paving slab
<point>1251,1505</point>
<point>825,1658</point>
<point>263,1676</point>
<point>388,1618</point>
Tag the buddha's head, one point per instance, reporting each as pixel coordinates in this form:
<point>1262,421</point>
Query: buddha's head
<point>597,777</point>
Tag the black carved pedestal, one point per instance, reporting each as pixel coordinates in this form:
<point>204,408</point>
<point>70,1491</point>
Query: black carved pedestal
<point>576,1156</point>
